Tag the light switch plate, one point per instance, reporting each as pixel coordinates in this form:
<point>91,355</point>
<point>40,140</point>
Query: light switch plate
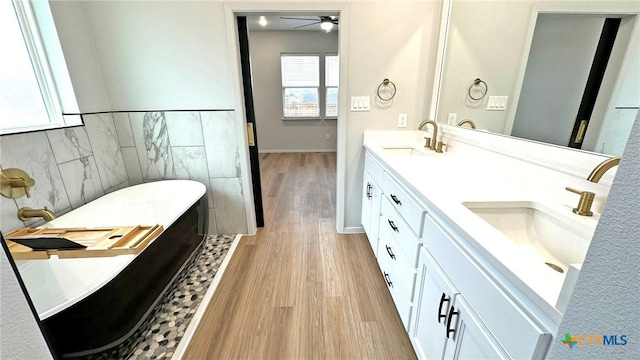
<point>360,103</point>
<point>497,103</point>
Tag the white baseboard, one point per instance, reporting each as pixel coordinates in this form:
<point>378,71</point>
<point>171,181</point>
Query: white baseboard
<point>352,230</point>
<point>271,151</point>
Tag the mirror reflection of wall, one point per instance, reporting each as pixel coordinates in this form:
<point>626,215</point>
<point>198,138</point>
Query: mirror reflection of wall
<point>531,45</point>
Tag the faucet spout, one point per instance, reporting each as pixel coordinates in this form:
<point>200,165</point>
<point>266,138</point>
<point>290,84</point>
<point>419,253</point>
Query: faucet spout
<point>430,144</point>
<point>26,213</point>
<point>467,121</point>
<point>603,167</point>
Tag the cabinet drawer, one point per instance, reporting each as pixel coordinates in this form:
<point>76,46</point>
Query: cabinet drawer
<point>400,230</point>
<point>373,168</point>
<point>518,334</point>
<point>403,305</point>
<point>406,205</point>
<point>406,273</point>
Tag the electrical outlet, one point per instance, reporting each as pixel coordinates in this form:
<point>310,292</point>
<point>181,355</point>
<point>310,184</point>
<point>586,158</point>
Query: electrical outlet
<point>402,120</point>
<point>451,119</point>
<point>327,137</point>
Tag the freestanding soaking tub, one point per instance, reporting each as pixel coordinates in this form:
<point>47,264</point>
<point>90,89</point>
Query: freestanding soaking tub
<point>88,305</point>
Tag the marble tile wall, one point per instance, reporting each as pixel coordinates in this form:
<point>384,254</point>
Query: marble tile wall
<point>196,145</point>
<point>73,166</point>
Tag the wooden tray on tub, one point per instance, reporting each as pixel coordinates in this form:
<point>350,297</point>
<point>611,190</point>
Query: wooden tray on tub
<point>29,244</point>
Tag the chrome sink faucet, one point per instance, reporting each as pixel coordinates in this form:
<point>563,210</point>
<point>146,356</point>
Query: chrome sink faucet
<point>586,197</point>
<point>430,144</point>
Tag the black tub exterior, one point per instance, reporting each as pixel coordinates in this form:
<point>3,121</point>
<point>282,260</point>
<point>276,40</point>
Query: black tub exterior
<point>106,317</point>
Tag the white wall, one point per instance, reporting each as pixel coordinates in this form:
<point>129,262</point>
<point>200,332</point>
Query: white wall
<point>76,39</point>
<point>162,55</point>
<point>394,40</point>
<point>274,134</point>
<point>605,298</point>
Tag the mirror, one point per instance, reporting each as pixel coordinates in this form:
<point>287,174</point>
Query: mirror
<point>540,56</point>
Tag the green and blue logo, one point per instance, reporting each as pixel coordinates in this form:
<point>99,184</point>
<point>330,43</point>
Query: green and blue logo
<point>594,340</point>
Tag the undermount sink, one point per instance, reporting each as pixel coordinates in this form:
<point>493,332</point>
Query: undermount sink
<point>406,150</point>
<point>555,237</point>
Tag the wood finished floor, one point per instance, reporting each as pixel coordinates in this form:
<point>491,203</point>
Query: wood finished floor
<point>298,289</point>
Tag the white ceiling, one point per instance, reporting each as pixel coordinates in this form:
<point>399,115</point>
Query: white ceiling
<point>274,22</point>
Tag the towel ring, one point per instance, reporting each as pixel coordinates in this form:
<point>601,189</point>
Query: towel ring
<point>478,83</point>
<point>383,85</point>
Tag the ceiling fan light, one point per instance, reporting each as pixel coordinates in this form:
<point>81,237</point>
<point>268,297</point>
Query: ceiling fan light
<point>262,21</point>
<point>326,25</point>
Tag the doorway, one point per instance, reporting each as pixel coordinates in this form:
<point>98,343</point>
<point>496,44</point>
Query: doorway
<point>565,73</point>
<point>280,117</point>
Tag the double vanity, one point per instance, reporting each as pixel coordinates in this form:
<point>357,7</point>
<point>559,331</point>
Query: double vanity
<point>479,245</point>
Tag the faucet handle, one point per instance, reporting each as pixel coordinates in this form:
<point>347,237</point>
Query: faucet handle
<point>427,143</point>
<point>439,147</point>
<point>584,205</point>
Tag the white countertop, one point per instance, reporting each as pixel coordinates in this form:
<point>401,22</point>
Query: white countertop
<point>444,181</point>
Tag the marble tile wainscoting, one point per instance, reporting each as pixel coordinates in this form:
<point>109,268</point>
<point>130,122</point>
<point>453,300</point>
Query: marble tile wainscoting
<point>75,165</point>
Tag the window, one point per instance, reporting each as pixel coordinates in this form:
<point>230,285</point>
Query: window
<point>28,95</point>
<point>331,76</point>
<point>309,91</point>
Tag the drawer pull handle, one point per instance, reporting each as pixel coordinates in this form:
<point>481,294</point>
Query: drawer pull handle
<point>395,199</point>
<point>443,299</point>
<point>393,226</point>
<point>452,312</point>
<point>387,279</point>
<point>391,254</point>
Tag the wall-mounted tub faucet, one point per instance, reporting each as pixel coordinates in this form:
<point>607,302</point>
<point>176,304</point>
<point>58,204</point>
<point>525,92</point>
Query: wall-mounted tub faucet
<point>26,213</point>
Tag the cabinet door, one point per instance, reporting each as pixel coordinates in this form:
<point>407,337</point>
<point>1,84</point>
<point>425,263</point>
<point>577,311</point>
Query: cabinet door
<point>468,338</point>
<point>434,298</point>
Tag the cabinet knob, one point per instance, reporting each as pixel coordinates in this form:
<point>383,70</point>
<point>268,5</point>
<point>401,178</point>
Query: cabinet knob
<point>443,299</point>
<point>395,199</point>
<point>452,312</point>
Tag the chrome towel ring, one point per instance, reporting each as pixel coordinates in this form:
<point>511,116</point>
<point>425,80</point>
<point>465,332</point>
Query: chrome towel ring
<point>477,86</point>
<point>388,88</point>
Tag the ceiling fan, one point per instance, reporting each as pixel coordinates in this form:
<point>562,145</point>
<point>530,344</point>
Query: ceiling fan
<point>326,22</point>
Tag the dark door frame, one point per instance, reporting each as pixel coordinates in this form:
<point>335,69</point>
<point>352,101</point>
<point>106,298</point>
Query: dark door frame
<point>594,80</point>
<point>245,65</point>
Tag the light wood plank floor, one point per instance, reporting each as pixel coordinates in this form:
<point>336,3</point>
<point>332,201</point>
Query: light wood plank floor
<point>297,289</point>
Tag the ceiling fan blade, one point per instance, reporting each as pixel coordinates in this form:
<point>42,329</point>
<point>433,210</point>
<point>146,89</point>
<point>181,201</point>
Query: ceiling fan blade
<point>290,18</point>
<point>301,26</point>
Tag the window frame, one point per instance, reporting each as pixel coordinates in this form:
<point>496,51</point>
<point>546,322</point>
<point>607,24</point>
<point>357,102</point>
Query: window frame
<point>43,71</point>
<point>326,87</point>
<point>321,88</point>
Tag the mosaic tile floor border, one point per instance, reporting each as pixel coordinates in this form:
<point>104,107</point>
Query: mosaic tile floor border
<point>159,336</point>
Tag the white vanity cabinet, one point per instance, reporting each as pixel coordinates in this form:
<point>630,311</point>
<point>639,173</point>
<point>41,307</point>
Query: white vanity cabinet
<point>488,321</point>
<point>445,325</point>
<point>448,297</point>
<point>371,196</point>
